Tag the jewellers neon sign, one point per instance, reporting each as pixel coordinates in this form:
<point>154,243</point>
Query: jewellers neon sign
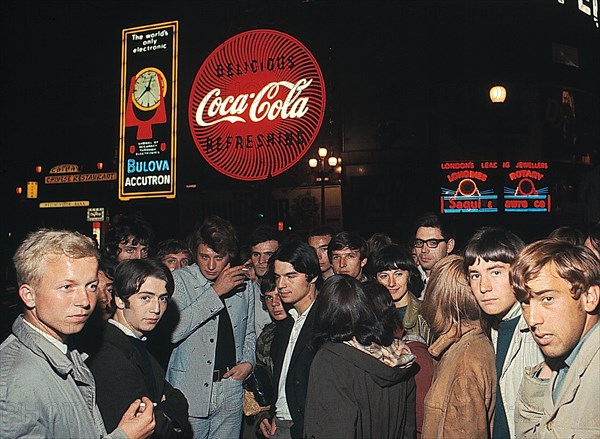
<point>467,187</point>
<point>492,186</point>
<point>256,105</point>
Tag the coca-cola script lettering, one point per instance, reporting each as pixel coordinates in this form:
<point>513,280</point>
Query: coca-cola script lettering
<point>262,104</point>
<point>261,120</point>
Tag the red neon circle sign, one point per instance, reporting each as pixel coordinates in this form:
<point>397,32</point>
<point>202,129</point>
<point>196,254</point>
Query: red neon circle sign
<point>257,104</point>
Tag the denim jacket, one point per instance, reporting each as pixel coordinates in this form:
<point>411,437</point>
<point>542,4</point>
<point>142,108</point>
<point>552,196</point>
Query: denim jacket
<point>43,394</point>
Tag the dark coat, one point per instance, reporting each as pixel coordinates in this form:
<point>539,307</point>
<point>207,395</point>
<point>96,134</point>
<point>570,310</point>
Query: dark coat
<point>354,395</point>
<point>297,376</point>
<point>122,375</point>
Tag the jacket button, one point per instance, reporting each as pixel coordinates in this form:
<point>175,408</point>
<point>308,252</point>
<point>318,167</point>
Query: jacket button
<point>205,384</point>
<point>209,361</point>
<point>212,340</point>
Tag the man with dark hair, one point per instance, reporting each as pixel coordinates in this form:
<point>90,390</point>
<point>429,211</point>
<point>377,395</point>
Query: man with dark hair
<point>433,240</point>
<point>264,241</point>
<point>106,274</point>
<point>348,254</point>
<point>488,256</point>
<point>214,337</point>
<point>319,239</point>
<point>174,253</point>
<point>558,286</point>
<point>123,368</point>
<point>130,237</point>
<point>297,277</point>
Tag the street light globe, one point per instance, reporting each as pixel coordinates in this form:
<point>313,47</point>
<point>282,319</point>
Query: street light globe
<point>322,152</point>
<point>497,94</point>
<point>313,163</point>
<point>332,161</point>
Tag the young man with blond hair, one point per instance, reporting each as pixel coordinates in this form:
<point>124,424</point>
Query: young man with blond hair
<point>46,389</point>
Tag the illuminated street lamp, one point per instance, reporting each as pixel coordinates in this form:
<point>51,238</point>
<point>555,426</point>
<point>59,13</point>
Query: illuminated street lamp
<point>322,168</point>
<point>498,94</point>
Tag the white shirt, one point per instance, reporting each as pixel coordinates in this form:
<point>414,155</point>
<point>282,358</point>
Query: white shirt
<point>63,347</point>
<point>282,410</point>
<point>424,278</point>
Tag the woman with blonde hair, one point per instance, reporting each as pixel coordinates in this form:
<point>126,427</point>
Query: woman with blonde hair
<point>461,399</point>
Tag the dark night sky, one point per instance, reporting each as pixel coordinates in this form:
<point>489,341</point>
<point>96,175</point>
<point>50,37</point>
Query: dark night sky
<point>61,63</point>
<point>61,59</point>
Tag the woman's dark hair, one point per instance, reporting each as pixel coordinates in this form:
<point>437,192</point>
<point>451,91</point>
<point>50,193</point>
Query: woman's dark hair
<point>132,273</point>
<point>344,310</point>
<point>383,305</point>
<point>394,257</point>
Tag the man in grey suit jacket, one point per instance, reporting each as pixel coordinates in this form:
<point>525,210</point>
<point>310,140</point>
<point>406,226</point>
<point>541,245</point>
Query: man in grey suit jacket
<point>214,336</point>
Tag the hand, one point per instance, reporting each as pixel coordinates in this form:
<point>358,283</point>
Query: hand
<point>138,421</point>
<point>239,372</point>
<point>229,278</point>
<point>268,428</point>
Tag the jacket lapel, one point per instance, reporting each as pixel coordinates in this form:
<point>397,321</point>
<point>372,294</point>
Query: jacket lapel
<point>304,338</point>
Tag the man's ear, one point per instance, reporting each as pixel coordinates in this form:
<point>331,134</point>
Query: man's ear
<point>119,302</point>
<point>450,245</point>
<point>363,262</point>
<point>313,280</point>
<point>591,298</point>
<point>27,295</point>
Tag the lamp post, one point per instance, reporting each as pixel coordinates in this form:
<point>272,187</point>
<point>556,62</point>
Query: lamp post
<point>322,167</point>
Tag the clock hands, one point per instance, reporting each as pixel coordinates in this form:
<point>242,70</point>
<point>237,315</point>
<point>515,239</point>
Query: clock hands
<point>148,89</point>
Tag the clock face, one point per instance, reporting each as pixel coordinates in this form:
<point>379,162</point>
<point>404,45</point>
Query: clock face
<point>147,88</point>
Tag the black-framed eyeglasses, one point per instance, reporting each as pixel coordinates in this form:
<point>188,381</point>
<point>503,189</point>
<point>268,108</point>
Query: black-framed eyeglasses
<point>431,243</point>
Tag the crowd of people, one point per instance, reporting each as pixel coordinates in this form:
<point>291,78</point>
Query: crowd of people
<point>330,336</point>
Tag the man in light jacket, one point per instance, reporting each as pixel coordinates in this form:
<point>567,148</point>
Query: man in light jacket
<point>46,389</point>
<point>214,336</point>
<point>558,285</point>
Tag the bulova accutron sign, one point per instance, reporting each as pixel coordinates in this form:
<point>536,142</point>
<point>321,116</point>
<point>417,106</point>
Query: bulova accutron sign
<point>257,104</point>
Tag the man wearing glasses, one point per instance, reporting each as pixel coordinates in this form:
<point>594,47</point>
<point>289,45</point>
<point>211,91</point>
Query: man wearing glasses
<point>433,241</point>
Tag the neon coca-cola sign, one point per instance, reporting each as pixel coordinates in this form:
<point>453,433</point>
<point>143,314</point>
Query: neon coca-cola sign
<point>257,104</point>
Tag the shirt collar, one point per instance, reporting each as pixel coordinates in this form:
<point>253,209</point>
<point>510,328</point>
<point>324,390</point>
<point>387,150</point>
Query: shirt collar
<point>126,330</point>
<point>569,360</point>
<point>515,311</point>
<point>63,347</point>
<point>297,316</point>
